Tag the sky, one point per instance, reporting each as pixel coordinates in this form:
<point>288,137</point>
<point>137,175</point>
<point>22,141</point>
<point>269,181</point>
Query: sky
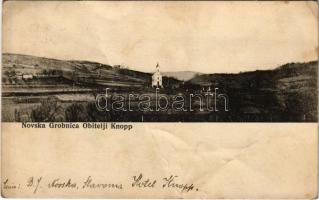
<point>208,37</point>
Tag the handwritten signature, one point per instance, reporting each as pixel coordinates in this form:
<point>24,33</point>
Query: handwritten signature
<point>138,181</point>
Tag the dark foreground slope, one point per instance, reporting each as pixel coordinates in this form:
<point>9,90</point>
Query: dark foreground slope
<point>287,93</point>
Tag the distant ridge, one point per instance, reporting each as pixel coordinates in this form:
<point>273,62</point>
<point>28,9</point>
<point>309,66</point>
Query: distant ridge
<point>182,75</point>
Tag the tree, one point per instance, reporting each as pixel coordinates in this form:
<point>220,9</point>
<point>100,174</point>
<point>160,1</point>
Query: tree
<point>76,113</point>
<point>48,111</point>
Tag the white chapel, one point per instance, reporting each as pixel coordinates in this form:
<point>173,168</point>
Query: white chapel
<point>157,78</point>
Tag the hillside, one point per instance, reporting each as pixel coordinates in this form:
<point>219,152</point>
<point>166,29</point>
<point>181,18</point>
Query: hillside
<point>290,89</point>
<point>47,71</point>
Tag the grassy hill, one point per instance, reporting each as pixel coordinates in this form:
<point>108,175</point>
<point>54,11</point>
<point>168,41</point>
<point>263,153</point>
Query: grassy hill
<point>81,73</point>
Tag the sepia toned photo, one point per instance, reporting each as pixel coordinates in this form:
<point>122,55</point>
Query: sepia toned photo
<point>44,87</point>
<point>38,89</point>
<point>229,88</point>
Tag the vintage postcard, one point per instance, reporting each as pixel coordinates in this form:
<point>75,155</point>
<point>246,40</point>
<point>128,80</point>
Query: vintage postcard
<point>159,99</point>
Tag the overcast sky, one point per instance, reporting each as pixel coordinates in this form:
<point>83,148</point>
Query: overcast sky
<point>206,37</point>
